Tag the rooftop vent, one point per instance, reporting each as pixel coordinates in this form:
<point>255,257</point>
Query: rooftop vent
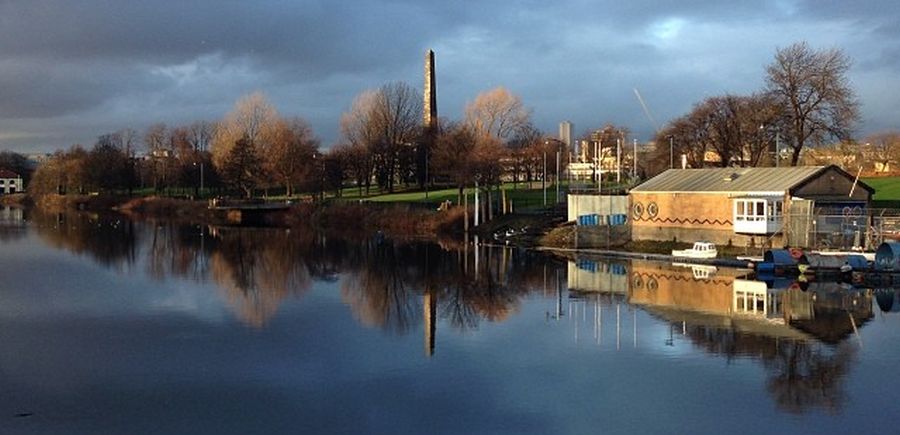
<point>731,177</point>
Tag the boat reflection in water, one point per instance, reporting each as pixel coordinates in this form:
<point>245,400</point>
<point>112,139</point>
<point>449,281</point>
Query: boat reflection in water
<point>801,332</point>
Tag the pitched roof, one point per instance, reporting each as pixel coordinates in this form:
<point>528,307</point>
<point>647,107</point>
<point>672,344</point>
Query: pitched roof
<point>6,173</point>
<point>729,179</point>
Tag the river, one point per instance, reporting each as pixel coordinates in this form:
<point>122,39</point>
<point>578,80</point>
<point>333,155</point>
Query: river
<point>114,326</point>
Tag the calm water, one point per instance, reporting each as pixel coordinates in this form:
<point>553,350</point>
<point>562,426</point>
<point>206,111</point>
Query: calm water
<point>109,326</point>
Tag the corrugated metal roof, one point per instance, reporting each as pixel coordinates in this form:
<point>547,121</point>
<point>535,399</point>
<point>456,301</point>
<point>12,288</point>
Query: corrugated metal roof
<point>728,179</point>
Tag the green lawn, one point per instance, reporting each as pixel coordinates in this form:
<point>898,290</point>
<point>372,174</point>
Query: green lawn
<point>886,188</point>
<point>521,196</point>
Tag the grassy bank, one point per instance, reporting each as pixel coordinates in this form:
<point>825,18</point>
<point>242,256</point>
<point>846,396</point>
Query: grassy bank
<point>394,220</point>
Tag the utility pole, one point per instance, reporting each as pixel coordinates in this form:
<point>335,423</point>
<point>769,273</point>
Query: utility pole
<point>634,162</point>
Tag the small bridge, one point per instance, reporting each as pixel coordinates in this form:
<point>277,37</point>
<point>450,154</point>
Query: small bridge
<point>247,212</point>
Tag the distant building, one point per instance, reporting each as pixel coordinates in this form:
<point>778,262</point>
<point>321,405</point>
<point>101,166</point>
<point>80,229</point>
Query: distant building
<point>10,182</point>
<point>36,159</point>
<point>565,135</point>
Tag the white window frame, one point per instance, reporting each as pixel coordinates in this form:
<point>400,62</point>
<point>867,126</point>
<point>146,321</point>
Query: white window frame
<point>757,209</point>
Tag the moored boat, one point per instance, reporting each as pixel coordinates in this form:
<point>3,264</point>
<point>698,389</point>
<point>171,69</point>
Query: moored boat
<point>699,250</point>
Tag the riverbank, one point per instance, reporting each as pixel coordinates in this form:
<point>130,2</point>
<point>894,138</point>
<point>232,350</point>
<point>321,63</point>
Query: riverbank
<point>544,229</point>
<point>345,218</point>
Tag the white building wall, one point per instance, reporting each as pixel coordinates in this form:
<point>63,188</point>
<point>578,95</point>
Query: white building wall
<point>603,205</point>
<point>11,185</point>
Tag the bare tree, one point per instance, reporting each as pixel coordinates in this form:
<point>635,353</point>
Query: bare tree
<point>763,123</point>
<point>497,113</point>
<point>812,87</point>
<point>519,151</point>
<point>253,118</point>
<point>158,143</point>
<point>358,163</point>
<point>387,123</point>
<point>201,134</point>
<point>291,155</point>
<point>453,155</point>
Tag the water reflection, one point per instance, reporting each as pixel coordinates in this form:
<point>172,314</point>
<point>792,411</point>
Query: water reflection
<point>109,240</point>
<point>309,324</point>
<point>801,332</point>
<point>12,223</point>
<point>389,285</point>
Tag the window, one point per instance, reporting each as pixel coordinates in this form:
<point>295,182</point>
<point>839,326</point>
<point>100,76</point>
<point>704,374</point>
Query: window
<point>754,210</point>
<point>750,210</point>
<point>775,210</point>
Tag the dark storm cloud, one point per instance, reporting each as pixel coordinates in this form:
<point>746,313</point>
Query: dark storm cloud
<point>74,66</point>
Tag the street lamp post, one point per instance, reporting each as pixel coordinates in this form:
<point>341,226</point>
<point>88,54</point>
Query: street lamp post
<point>544,178</point>
<point>200,164</point>
<point>557,176</point>
<point>618,160</point>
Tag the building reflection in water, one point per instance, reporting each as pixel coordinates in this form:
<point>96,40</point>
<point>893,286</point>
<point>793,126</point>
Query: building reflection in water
<point>805,334</point>
<point>12,223</point>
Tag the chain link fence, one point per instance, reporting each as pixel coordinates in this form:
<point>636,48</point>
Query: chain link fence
<point>847,229</point>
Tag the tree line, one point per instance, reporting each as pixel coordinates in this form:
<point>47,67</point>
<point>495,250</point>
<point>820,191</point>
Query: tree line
<point>807,102</point>
<point>254,150</point>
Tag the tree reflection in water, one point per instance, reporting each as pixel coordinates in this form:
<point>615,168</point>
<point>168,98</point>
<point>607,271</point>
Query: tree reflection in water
<point>383,282</point>
<point>386,290</point>
<point>257,270</point>
<point>802,374</point>
<point>108,239</point>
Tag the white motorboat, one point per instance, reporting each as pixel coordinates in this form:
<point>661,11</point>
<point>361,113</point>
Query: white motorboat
<point>699,250</point>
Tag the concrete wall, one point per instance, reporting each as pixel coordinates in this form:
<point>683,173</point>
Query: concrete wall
<point>603,205</point>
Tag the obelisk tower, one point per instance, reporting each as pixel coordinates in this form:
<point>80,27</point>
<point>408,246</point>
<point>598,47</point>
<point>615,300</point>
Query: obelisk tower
<point>430,93</point>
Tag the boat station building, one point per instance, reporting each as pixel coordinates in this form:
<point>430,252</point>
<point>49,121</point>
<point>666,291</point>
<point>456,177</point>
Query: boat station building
<point>10,182</point>
<point>744,206</point>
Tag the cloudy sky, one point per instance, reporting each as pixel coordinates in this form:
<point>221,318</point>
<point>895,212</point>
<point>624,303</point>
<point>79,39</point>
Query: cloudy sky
<point>72,70</point>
